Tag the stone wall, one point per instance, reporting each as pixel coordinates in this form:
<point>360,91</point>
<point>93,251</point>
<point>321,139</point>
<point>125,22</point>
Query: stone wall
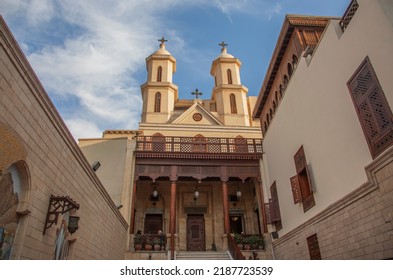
<point>35,141</point>
<point>359,226</point>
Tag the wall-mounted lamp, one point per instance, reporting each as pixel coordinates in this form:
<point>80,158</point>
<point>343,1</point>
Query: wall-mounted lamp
<point>96,165</point>
<point>155,192</point>
<point>196,194</point>
<point>60,205</point>
<point>73,222</point>
<point>238,193</point>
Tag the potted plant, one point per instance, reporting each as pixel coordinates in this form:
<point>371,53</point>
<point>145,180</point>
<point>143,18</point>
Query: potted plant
<point>253,239</point>
<point>239,240</point>
<point>157,244</point>
<point>138,242</point>
<point>149,244</point>
<point>246,243</point>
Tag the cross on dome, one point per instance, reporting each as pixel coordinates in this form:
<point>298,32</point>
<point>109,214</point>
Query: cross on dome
<point>196,93</point>
<point>162,40</point>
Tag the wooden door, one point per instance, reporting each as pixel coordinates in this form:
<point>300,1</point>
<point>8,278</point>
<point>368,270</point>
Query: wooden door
<point>196,233</point>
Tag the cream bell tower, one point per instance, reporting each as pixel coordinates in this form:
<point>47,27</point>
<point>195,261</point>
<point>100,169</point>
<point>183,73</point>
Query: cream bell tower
<point>159,93</point>
<point>228,92</point>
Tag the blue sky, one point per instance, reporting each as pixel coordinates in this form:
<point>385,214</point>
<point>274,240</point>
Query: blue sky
<point>90,55</point>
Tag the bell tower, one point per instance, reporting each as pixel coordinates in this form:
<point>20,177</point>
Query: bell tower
<point>159,93</point>
<point>228,92</point>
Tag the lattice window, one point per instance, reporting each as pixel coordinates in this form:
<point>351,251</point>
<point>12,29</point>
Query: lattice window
<point>301,186</point>
<point>313,247</point>
<point>232,99</point>
<point>349,13</point>
<point>273,208</point>
<point>158,142</point>
<point>157,102</point>
<point>372,107</point>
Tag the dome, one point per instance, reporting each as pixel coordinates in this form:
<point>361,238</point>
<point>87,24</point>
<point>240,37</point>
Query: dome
<point>224,54</point>
<point>162,50</point>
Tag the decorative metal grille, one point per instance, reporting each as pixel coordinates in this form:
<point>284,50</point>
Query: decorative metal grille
<point>350,12</point>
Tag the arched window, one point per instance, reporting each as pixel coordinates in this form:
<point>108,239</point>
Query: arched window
<point>229,74</point>
<point>158,141</point>
<point>159,74</point>
<point>274,106</point>
<point>276,96</point>
<point>240,145</point>
<point>271,114</point>
<point>286,80</point>
<point>290,70</point>
<point>267,118</point>
<point>281,91</point>
<point>294,61</point>
<point>157,102</point>
<point>265,125</point>
<point>232,99</point>
<point>199,143</point>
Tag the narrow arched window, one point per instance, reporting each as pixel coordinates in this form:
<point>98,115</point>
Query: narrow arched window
<point>159,74</point>
<point>157,102</point>
<point>294,61</point>
<point>229,74</point>
<point>290,70</point>
<point>232,99</point>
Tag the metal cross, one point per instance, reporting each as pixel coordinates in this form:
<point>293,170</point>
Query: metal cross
<point>196,93</point>
<point>162,40</point>
<point>222,44</point>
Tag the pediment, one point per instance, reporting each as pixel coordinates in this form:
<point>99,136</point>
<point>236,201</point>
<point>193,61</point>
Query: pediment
<point>197,115</point>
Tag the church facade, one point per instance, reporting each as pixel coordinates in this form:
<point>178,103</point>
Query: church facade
<point>195,163</point>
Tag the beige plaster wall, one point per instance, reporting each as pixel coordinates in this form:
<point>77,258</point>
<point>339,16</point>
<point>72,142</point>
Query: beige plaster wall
<point>317,112</point>
<point>54,165</point>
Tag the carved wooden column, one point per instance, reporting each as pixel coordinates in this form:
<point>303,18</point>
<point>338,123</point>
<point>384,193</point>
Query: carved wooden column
<point>132,221</point>
<point>225,206</point>
<point>262,207</point>
<point>172,221</point>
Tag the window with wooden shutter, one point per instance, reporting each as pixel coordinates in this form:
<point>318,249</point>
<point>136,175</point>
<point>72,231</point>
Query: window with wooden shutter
<point>313,247</point>
<point>372,108</point>
<point>232,101</point>
<point>157,102</point>
<point>159,74</point>
<point>296,192</point>
<point>273,208</point>
<point>301,184</point>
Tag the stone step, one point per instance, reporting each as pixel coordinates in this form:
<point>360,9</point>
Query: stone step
<point>208,255</point>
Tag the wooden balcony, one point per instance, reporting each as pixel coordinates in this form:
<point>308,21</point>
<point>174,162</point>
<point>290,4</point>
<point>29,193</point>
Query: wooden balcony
<point>198,147</point>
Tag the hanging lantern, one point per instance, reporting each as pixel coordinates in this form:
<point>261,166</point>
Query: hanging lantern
<point>73,222</point>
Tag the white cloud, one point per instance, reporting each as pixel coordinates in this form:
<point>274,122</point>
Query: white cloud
<point>97,65</point>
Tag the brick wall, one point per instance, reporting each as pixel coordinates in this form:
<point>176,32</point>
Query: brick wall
<point>52,164</point>
<point>359,226</point>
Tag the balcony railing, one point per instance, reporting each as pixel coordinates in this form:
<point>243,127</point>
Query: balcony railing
<point>348,15</point>
<point>198,145</point>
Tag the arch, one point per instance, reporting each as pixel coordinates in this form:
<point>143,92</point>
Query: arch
<point>265,126</point>
<point>294,61</point>
<point>290,69</point>
<point>267,118</point>
<point>286,80</point>
<point>14,189</point>
<point>199,143</point>
<point>240,144</point>
<point>229,74</point>
<point>158,142</point>
<point>281,91</point>
<point>271,114</point>
<point>274,106</point>
<point>159,74</point>
<point>276,96</point>
<point>232,100</point>
<point>157,102</point>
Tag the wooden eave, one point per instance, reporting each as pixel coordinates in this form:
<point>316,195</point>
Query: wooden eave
<point>291,22</point>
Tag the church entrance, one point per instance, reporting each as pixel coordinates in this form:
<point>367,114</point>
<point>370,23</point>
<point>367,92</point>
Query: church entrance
<point>196,233</point>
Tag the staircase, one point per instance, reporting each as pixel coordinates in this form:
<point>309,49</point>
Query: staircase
<point>206,255</point>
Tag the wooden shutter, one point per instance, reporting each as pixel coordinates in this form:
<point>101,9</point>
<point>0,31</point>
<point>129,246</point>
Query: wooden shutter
<point>296,192</point>
<point>372,107</point>
<point>304,180</point>
<point>275,207</point>
<point>313,247</point>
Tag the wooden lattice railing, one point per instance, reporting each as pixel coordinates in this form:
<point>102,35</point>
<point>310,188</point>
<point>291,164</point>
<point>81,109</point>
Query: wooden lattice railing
<point>192,145</point>
<point>349,13</point>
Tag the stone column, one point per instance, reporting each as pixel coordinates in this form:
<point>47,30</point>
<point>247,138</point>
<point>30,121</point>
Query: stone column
<point>262,207</point>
